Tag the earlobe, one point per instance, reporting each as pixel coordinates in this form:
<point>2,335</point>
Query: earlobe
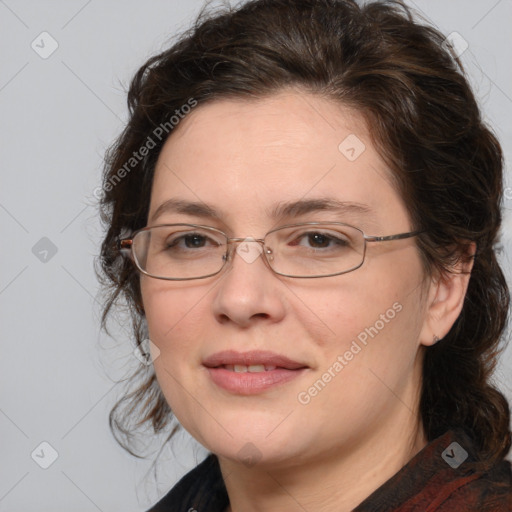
<point>445,301</point>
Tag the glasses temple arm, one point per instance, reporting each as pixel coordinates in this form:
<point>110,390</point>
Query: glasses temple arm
<point>399,236</point>
<point>125,245</point>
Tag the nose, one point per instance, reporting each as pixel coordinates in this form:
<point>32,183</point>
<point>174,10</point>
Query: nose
<point>248,291</point>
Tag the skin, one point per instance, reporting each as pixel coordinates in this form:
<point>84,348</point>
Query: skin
<point>242,157</point>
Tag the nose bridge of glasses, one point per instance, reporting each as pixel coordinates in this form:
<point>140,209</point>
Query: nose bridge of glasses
<point>248,248</point>
<point>246,239</point>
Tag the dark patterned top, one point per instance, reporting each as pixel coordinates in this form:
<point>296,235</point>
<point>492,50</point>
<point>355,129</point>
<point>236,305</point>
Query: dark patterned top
<point>445,476</point>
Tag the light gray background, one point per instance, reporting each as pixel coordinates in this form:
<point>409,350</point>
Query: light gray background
<point>57,116</point>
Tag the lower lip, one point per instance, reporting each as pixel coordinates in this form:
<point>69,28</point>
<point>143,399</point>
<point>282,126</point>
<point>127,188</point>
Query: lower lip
<point>251,383</point>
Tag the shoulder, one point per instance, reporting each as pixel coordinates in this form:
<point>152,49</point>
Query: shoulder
<point>488,490</point>
<point>200,489</point>
<point>463,481</point>
<point>446,476</point>
<point>477,485</point>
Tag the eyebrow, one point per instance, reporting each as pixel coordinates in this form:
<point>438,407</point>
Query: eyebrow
<point>305,206</point>
<point>193,208</point>
<point>281,210</point>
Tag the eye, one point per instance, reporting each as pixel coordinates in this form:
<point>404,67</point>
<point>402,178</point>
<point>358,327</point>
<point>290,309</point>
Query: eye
<point>189,240</point>
<point>319,240</point>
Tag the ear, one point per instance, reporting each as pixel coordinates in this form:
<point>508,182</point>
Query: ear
<point>445,300</point>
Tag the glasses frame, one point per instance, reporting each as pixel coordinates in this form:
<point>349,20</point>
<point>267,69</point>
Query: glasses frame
<point>125,247</point>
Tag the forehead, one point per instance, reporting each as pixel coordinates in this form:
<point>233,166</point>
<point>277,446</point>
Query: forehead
<point>246,156</point>
<point>287,118</point>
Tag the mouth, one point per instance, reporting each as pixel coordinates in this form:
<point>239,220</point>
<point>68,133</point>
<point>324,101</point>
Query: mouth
<point>253,361</point>
<point>253,368</point>
<point>252,372</point>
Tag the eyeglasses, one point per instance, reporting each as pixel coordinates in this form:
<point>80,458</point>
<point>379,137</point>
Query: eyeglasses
<point>307,250</point>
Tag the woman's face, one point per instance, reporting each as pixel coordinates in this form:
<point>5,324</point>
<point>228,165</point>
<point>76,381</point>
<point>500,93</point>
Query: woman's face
<point>356,336</point>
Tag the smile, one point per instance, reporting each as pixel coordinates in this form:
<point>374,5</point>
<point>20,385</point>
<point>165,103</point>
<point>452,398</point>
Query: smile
<point>253,372</point>
<point>253,368</point>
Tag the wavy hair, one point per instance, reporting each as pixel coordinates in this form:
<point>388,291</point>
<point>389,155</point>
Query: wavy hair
<point>423,117</point>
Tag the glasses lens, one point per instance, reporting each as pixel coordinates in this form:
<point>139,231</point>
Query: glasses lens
<point>179,251</point>
<point>315,250</point>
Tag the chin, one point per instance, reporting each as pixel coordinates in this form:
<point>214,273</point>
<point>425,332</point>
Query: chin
<point>254,443</point>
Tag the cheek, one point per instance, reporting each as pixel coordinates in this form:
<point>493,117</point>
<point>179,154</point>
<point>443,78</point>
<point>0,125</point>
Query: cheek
<point>368,360</point>
<point>175,322</point>
<point>173,315</point>
<point>374,317</point>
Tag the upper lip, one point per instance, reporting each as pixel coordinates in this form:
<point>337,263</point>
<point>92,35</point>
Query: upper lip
<point>253,357</point>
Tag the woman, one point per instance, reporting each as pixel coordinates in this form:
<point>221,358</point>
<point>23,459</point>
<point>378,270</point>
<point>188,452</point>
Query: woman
<point>309,202</point>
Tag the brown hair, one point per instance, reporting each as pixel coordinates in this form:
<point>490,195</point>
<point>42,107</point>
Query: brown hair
<point>427,126</point>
